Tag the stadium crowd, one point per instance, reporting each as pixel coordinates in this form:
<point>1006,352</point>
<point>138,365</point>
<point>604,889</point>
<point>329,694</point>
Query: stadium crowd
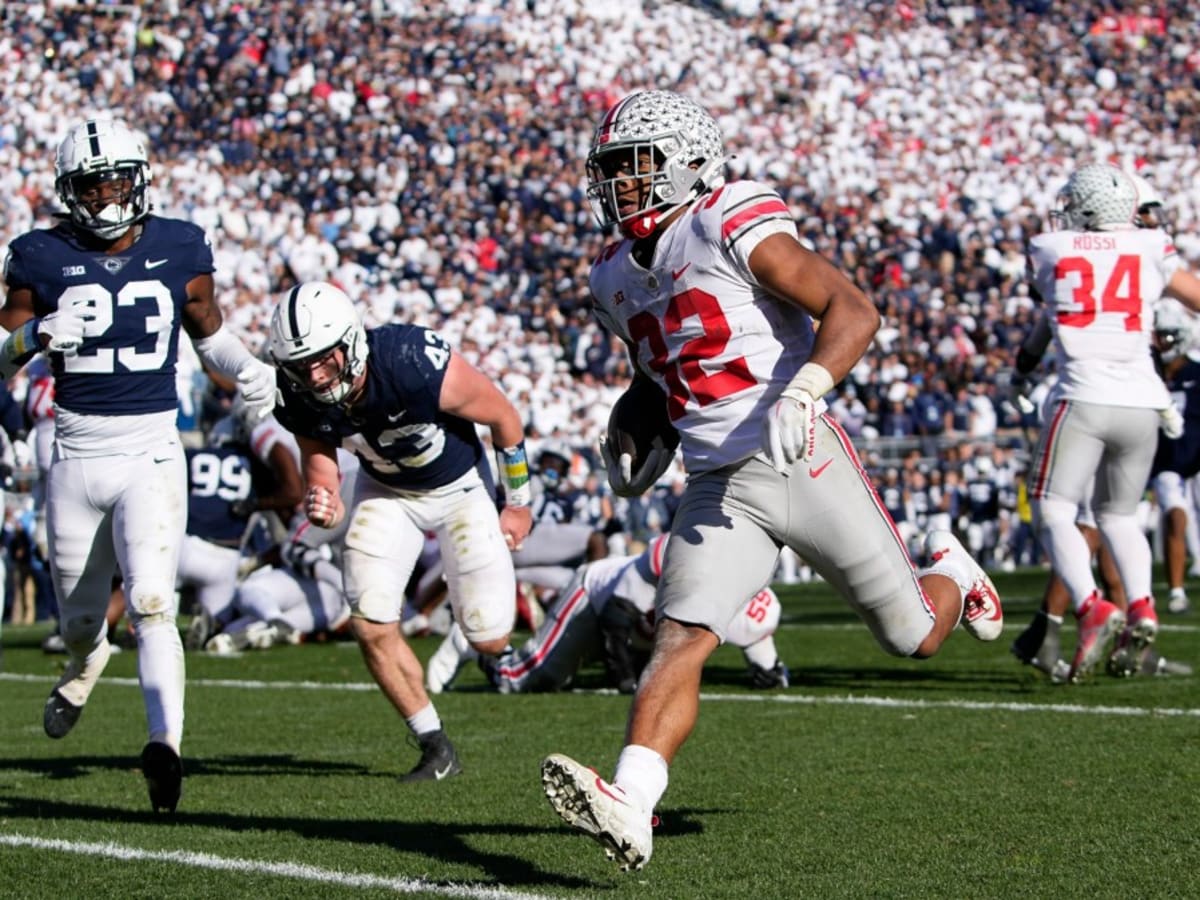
<point>429,162</point>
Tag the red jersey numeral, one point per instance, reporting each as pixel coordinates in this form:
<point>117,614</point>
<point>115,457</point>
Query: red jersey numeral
<point>686,376</point>
<point>1122,292</point>
<point>757,608</point>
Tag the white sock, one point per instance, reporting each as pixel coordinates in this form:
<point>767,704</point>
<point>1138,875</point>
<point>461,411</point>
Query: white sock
<point>81,676</point>
<point>425,721</point>
<point>1057,620</point>
<point>762,653</point>
<point>161,675</point>
<point>642,774</point>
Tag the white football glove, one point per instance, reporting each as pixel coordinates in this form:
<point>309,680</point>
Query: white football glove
<point>621,477</point>
<point>256,384</point>
<point>789,432</point>
<point>64,329</point>
<point>1020,395</point>
<point>1171,422</point>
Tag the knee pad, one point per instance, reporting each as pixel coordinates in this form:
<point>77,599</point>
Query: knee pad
<point>485,604</point>
<point>149,602</point>
<point>1051,512</point>
<point>376,604</point>
<point>1123,524</point>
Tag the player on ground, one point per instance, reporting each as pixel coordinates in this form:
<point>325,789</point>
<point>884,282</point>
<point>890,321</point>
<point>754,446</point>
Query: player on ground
<point>715,298</point>
<point>606,612</point>
<point>301,597</point>
<point>229,480</point>
<point>407,405</point>
<point>105,292</point>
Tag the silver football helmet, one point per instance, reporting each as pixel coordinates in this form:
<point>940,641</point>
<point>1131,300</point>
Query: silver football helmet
<point>656,135</point>
<point>94,154</point>
<point>1097,197</point>
<point>312,321</point>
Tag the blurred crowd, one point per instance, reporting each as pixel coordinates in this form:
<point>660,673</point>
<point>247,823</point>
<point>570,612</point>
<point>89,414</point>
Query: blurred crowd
<point>427,158</point>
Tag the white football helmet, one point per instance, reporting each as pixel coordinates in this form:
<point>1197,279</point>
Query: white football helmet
<point>1097,197</point>
<point>686,149</point>
<point>1149,203</point>
<point>312,321</point>
<point>1174,330</point>
<point>97,152</point>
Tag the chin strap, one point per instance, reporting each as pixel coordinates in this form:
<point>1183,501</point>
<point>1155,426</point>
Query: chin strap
<point>642,226</point>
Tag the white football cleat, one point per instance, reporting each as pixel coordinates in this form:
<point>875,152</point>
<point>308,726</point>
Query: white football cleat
<point>447,661</point>
<point>602,811</point>
<point>982,616</point>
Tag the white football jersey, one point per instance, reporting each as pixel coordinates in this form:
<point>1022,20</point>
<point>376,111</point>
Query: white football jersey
<point>719,345</point>
<point>1101,288</point>
<point>635,578</point>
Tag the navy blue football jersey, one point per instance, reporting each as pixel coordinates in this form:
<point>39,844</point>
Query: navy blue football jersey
<point>983,500</point>
<point>126,365</point>
<point>1182,455</point>
<point>554,507</point>
<point>396,430</point>
<point>218,477</point>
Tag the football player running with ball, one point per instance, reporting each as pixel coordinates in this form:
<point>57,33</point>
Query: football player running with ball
<point>105,292</point>
<point>406,405</point>
<point>715,297</point>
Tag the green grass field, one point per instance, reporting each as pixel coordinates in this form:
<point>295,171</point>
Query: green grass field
<point>964,776</point>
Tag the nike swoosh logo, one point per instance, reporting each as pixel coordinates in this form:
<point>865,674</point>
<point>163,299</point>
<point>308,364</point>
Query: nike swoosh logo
<point>155,263</point>
<point>603,788</point>
<point>816,473</point>
<point>397,417</point>
<point>163,460</point>
<point>439,774</point>
<point>677,274</point>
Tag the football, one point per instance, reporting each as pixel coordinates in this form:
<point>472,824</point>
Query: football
<point>639,422</point>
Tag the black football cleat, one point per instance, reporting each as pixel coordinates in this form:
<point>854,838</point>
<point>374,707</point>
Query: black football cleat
<point>438,759</point>
<point>59,715</point>
<point>164,775</point>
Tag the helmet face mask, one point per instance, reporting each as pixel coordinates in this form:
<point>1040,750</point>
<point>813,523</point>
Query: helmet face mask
<point>315,330</point>
<point>101,176</point>
<point>1096,198</point>
<point>664,145</point>
<point>553,468</point>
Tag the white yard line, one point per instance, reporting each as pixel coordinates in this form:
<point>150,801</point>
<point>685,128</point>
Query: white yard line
<point>258,867</point>
<point>791,696</point>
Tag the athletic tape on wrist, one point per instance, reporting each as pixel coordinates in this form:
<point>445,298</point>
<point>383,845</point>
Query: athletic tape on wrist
<point>514,471</point>
<point>813,379</point>
<point>23,342</point>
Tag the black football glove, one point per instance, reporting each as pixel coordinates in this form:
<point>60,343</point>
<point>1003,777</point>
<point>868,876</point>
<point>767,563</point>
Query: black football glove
<point>766,679</point>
